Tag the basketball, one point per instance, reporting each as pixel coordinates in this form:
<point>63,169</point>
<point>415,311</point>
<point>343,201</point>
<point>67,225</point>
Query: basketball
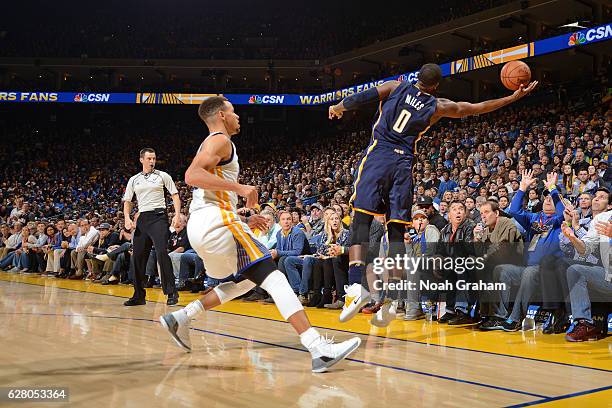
<point>515,73</point>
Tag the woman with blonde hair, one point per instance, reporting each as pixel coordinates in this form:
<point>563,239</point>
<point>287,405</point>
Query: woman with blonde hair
<point>334,229</point>
<point>331,264</point>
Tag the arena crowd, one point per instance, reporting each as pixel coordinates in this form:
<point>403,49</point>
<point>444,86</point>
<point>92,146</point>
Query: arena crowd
<point>527,189</point>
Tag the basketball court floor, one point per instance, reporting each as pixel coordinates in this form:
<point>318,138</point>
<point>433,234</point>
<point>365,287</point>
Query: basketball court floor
<point>57,333</point>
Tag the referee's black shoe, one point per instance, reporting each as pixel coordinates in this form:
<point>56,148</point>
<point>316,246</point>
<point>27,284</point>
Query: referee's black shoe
<point>134,302</point>
<point>172,299</point>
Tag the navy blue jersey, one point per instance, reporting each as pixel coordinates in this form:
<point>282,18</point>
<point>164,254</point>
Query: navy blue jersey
<point>403,117</point>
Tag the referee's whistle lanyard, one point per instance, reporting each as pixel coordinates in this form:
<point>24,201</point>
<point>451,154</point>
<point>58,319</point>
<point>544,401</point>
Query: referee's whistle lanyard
<point>147,175</point>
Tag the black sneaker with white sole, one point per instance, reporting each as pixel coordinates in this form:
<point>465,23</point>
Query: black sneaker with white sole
<point>510,326</point>
<point>492,323</point>
<point>446,317</point>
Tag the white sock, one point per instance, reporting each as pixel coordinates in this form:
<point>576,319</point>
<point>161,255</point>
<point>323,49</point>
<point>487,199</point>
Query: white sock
<point>310,338</point>
<point>194,308</point>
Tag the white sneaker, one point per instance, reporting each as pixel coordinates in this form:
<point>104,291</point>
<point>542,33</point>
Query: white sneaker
<point>177,324</point>
<point>356,297</point>
<point>326,353</point>
<point>102,257</point>
<point>385,315</point>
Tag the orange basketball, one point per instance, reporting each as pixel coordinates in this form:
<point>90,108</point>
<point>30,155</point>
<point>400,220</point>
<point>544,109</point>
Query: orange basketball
<point>515,73</point>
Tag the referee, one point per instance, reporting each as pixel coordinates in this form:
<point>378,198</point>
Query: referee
<point>152,226</point>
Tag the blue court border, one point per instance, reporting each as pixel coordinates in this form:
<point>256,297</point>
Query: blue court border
<point>543,399</point>
<point>370,363</point>
<point>561,397</point>
<point>429,344</point>
<point>351,332</point>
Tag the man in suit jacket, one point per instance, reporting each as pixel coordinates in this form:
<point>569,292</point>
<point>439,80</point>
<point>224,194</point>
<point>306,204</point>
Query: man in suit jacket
<point>107,239</point>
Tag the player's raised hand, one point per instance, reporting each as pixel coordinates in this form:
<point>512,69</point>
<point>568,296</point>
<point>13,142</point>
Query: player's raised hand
<point>335,112</point>
<point>258,222</point>
<point>524,90</point>
<point>250,193</point>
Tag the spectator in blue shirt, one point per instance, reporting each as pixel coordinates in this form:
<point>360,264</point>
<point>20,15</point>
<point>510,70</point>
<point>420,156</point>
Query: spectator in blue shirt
<point>446,184</point>
<point>290,241</point>
<point>542,230</point>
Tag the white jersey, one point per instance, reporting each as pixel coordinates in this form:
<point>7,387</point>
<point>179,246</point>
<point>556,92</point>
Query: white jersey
<point>225,243</point>
<point>227,200</point>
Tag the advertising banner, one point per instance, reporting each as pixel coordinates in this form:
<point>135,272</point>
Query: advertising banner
<point>532,49</point>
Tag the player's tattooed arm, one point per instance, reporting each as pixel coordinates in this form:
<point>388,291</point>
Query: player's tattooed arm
<point>357,100</point>
<point>446,108</point>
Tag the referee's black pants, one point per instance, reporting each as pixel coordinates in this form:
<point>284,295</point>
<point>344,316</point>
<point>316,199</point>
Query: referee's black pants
<point>152,228</point>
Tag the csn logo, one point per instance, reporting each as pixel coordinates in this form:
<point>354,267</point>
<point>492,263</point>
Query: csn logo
<point>576,39</point>
<point>411,77</point>
<point>266,99</point>
<point>594,34</point>
<point>82,97</point>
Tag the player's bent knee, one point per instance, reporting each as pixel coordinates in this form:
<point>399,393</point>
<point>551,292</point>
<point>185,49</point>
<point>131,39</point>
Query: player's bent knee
<point>231,290</point>
<point>259,271</point>
<point>278,287</point>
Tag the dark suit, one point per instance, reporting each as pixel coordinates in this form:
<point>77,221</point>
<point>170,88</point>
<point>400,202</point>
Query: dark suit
<point>104,243</point>
<point>101,247</point>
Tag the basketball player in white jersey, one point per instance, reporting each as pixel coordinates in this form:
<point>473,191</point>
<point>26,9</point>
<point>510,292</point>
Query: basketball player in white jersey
<point>229,248</point>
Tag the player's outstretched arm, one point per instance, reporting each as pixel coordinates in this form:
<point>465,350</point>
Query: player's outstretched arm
<point>357,100</point>
<point>198,174</point>
<point>449,109</point>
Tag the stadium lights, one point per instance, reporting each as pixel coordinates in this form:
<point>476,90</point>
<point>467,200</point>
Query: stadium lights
<point>573,25</point>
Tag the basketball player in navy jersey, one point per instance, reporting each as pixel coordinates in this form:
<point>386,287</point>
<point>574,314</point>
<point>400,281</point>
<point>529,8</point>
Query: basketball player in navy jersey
<point>383,185</point>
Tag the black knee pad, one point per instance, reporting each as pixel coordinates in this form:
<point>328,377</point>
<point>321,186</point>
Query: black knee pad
<point>258,272</point>
<point>360,228</point>
<point>395,231</point>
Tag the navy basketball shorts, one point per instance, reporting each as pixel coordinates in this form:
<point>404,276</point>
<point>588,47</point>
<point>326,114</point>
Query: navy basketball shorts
<point>383,185</point>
